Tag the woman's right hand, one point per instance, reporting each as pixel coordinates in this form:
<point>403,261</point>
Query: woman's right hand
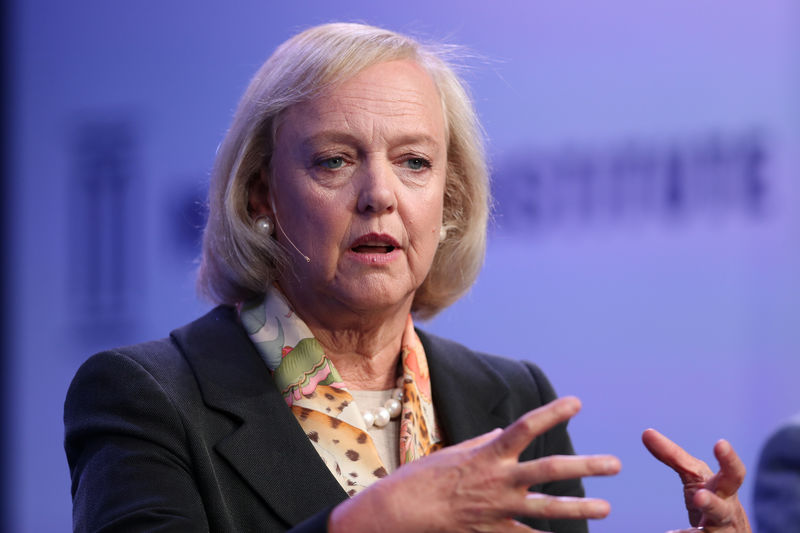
<point>479,485</point>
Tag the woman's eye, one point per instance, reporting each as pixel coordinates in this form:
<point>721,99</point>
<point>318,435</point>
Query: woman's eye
<point>332,163</point>
<point>417,163</point>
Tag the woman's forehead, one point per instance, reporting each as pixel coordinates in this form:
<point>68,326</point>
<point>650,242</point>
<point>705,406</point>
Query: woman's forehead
<point>396,98</point>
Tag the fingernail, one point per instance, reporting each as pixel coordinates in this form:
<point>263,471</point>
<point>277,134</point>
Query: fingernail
<point>600,508</point>
<point>609,465</point>
<point>724,446</point>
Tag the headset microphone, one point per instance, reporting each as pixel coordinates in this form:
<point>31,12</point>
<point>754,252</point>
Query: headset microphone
<point>278,223</point>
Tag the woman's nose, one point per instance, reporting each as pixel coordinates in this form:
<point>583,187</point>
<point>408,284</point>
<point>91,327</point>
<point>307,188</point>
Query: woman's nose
<point>376,193</point>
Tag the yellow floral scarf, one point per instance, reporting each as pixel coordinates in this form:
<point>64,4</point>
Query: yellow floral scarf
<point>324,408</point>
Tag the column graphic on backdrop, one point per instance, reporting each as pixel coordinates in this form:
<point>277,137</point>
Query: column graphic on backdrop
<point>105,201</point>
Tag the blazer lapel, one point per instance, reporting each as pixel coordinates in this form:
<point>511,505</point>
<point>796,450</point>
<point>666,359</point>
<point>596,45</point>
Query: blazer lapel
<point>465,390</point>
<point>269,449</point>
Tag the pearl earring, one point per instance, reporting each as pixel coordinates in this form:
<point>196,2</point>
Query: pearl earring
<point>265,225</point>
<point>442,234</point>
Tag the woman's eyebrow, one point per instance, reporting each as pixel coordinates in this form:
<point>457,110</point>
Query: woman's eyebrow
<point>339,137</point>
<point>416,139</point>
<point>333,136</point>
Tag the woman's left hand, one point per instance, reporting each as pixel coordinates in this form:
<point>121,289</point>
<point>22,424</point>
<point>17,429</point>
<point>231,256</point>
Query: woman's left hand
<point>711,499</point>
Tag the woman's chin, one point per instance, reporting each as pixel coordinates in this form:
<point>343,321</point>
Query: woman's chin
<point>376,295</point>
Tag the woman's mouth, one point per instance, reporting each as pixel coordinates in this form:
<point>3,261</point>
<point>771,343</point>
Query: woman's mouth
<point>374,243</point>
<point>374,248</point>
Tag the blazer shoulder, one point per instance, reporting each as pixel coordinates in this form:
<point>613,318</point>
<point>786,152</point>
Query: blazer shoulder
<point>161,363</point>
<point>161,360</point>
<point>115,381</point>
<point>160,356</point>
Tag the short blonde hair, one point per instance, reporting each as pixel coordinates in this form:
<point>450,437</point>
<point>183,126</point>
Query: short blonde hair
<point>238,263</point>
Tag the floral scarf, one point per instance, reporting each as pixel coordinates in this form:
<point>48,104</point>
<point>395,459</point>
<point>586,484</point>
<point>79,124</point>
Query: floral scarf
<point>314,391</point>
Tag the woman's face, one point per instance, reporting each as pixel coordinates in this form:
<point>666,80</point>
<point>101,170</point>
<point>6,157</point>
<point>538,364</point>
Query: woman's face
<point>357,180</point>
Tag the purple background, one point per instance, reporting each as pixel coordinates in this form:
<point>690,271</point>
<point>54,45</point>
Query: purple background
<point>658,301</point>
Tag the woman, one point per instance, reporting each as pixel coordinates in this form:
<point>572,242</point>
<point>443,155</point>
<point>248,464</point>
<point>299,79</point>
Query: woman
<point>350,193</point>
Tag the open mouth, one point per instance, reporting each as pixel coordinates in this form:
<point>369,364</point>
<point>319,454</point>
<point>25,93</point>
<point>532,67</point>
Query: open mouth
<point>372,249</point>
<point>374,243</point>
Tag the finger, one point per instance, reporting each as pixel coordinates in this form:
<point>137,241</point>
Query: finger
<point>558,467</point>
<point>731,469</point>
<point>716,511</point>
<point>519,435</point>
<point>690,469</point>
<point>690,530</point>
<point>563,507</point>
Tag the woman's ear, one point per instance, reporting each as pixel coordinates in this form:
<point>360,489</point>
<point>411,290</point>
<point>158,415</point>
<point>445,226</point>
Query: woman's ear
<point>258,195</point>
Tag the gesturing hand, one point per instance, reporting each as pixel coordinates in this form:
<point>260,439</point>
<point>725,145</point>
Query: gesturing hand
<point>479,485</point>
<point>711,499</point>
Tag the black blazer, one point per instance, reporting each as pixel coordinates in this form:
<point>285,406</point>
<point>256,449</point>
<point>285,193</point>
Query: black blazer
<point>190,433</point>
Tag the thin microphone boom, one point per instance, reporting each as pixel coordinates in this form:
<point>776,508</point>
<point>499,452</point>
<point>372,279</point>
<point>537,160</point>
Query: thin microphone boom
<point>278,223</point>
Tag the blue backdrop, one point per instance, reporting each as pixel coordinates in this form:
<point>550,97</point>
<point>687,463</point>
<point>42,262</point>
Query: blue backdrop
<point>644,249</point>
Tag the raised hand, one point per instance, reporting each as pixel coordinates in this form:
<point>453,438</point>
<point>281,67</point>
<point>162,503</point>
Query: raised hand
<point>480,485</point>
<point>711,499</point>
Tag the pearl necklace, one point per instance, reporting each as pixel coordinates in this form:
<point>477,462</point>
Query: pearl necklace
<point>391,408</point>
